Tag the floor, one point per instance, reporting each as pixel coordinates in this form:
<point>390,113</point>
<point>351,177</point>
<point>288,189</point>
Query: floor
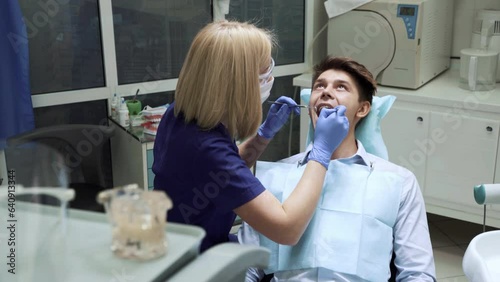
<point>450,238</point>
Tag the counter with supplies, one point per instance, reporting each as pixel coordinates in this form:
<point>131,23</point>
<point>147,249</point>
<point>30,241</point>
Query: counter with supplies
<point>447,136</point>
<point>132,147</point>
<point>132,156</point>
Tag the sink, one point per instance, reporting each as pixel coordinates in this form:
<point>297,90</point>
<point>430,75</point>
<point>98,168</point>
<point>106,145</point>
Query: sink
<point>481,262</point>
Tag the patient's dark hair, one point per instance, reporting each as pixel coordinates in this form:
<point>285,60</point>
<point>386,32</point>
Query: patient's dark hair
<point>366,84</point>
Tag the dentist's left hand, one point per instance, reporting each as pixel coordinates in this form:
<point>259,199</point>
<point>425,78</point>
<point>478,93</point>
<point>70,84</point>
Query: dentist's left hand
<point>277,117</point>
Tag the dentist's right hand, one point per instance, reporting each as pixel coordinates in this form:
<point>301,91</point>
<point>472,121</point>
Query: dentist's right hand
<point>331,129</point>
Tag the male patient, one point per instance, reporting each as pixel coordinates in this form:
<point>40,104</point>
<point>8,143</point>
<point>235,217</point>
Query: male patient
<point>369,210</point>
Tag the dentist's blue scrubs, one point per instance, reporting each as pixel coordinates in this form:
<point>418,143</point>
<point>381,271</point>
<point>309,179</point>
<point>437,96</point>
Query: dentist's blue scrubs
<point>204,175</point>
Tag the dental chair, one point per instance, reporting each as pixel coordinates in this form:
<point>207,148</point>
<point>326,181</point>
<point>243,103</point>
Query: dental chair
<point>226,262</point>
<point>481,262</point>
<point>80,149</point>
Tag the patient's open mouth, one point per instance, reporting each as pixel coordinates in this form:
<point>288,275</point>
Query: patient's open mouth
<point>321,106</point>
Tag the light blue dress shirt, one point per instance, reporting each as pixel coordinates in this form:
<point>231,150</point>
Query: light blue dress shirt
<point>412,245</point>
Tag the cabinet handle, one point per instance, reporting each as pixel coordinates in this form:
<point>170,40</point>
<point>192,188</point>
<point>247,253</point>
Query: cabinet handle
<point>489,128</point>
<point>420,119</point>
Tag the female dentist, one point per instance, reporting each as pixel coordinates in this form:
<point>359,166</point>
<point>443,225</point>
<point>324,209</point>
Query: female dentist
<point>217,101</point>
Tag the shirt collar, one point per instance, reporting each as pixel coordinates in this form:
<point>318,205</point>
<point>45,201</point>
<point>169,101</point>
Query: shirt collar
<point>361,157</point>
<point>363,154</point>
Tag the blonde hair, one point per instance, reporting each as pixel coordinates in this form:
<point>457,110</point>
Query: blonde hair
<point>219,81</point>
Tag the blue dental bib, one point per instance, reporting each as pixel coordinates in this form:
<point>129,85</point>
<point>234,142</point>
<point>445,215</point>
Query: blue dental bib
<point>352,228</point>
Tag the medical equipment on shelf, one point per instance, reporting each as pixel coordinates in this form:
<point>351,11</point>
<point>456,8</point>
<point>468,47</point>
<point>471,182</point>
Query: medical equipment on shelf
<point>123,114</point>
<point>114,107</point>
<point>486,33</point>
<point>152,117</point>
<point>403,43</point>
<point>478,68</point>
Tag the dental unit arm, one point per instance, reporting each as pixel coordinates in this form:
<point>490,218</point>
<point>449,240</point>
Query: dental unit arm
<point>487,194</point>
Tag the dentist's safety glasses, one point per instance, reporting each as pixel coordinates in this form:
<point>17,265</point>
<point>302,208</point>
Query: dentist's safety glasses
<point>263,78</point>
<point>266,83</point>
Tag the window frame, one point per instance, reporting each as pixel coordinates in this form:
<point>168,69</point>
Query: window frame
<point>148,87</point>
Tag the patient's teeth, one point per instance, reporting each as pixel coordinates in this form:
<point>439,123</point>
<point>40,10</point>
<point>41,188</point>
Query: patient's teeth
<point>318,109</point>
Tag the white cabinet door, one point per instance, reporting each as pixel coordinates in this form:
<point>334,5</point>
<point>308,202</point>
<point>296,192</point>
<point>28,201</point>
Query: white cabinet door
<point>461,154</point>
<point>403,131</point>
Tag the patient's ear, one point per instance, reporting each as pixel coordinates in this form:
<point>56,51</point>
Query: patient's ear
<point>363,110</point>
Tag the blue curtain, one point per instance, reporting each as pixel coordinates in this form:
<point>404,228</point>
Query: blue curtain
<point>16,110</point>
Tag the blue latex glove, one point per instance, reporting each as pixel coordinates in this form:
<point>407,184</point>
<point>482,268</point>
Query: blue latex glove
<point>331,129</point>
<point>277,117</point>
